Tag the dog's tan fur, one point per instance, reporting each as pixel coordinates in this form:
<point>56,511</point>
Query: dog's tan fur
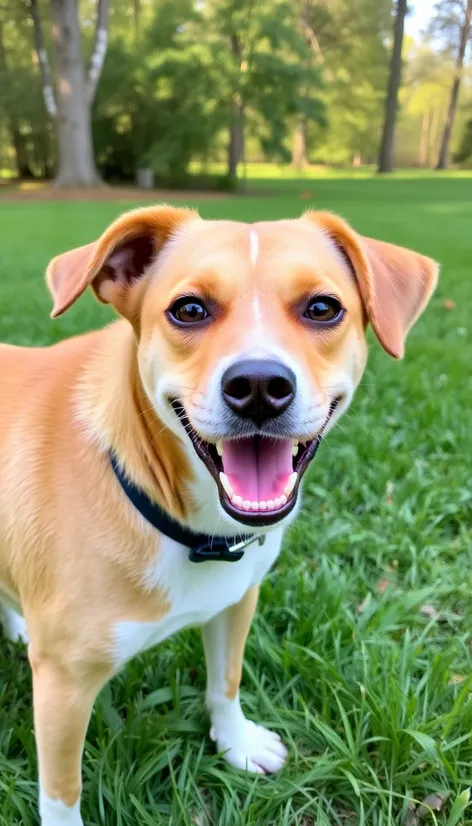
<point>73,552</point>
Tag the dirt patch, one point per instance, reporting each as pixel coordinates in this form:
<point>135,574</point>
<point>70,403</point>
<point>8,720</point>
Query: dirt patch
<point>40,192</point>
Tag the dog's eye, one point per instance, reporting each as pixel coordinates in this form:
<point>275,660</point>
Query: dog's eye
<point>324,308</point>
<point>188,310</point>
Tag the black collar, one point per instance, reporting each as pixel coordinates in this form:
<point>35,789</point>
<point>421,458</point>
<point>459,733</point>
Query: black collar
<point>202,547</point>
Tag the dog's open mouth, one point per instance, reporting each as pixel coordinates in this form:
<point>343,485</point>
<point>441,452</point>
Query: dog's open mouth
<point>257,476</point>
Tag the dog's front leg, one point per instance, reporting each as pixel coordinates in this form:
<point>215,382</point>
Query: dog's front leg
<point>63,700</point>
<point>247,745</point>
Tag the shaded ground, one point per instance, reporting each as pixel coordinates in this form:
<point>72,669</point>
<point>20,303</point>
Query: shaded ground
<point>41,192</point>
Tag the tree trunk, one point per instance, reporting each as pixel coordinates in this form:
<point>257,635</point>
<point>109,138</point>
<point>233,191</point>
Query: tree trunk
<point>236,139</point>
<point>17,139</point>
<point>423,145</point>
<point>21,153</point>
<point>391,104</point>
<point>74,132</point>
<point>451,113</point>
<point>299,160</point>
<point>236,126</point>
<point>432,136</point>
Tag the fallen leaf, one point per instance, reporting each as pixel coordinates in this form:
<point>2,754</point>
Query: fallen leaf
<point>306,195</point>
<point>433,802</point>
<point>362,605</point>
<point>411,818</point>
<point>388,493</point>
<point>382,585</point>
<point>449,304</point>
<point>455,679</point>
<point>429,611</point>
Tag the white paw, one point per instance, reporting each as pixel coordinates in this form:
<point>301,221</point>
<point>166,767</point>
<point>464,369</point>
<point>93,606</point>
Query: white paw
<point>253,748</point>
<point>56,813</point>
<point>14,625</point>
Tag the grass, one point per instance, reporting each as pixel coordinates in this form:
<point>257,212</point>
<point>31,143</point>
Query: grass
<point>361,652</point>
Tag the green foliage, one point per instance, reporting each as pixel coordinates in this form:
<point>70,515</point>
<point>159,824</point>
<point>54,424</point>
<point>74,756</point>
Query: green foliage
<point>22,112</point>
<point>182,79</point>
<point>176,103</point>
<point>354,43</point>
<point>464,153</point>
<point>371,691</point>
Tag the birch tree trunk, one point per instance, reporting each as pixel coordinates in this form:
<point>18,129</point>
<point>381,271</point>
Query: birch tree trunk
<point>70,102</point>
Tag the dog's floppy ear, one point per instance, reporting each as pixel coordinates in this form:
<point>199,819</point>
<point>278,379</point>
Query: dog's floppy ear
<point>116,261</point>
<point>395,283</point>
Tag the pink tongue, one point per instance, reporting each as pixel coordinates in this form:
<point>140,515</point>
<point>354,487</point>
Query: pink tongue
<point>258,468</point>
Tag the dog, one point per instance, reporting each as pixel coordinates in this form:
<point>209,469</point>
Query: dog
<point>148,470</point>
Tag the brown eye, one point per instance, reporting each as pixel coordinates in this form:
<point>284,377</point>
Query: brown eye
<point>188,310</point>
<point>324,308</point>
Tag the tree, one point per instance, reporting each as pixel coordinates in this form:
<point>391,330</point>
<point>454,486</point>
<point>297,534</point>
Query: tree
<point>423,101</point>
<point>17,138</point>
<point>348,43</point>
<point>391,102</point>
<point>312,17</point>
<point>453,18</point>
<point>71,102</point>
<point>464,153</point>
<point>266,76</point>
<point>22,114</point>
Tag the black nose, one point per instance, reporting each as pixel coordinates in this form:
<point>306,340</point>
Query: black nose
<point>258,389</point>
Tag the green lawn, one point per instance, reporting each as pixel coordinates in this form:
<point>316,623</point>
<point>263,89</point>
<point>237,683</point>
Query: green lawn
<point>361,652</point>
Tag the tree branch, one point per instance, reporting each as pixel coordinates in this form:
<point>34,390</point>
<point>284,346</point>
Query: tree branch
<point>40,46</point>
<point>99,49</point>
<point>316,48</point>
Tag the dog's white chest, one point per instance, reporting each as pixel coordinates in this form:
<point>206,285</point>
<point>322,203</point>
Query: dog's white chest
<point>195,591</point>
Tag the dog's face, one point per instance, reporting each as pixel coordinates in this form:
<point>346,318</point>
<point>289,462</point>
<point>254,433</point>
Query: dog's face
<point>251,338</point>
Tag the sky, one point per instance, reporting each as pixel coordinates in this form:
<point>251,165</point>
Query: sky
<point>421,11</point>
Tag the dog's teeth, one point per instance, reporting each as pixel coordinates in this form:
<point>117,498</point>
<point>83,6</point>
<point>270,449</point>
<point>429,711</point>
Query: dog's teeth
<point>219,448</point>
<point>270,505</point>
<point>294,448</point>
<point>255,506</point>
<point>237,501</point>
<point>226,484</point>
<point>247,505</point>
<point>292,479</point>
<point>283,500</point>
<point>278,502</point>
<point>263,506</point>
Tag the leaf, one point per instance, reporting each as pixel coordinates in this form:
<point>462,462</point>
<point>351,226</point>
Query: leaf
<point>460,804</point>
<point>165,695</point>
<point>433,802</point>
<point>429,611</point>
<point>449,304</point>
<point>382,585</point>
<point>424,740</point>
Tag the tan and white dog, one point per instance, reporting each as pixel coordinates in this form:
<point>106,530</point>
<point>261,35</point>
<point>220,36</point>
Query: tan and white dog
<point>239,345</point>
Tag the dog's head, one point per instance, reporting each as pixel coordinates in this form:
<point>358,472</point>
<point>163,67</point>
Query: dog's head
<point>251,337</point>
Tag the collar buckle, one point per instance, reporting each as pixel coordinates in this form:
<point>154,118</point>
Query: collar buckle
<point>219,550</point>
